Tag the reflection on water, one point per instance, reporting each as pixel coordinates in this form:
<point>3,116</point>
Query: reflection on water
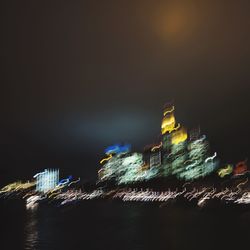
<point>31,231</point>
<point>123,226</point>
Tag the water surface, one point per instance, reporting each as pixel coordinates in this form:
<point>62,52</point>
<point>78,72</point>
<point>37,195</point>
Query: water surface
<point>121,226</point>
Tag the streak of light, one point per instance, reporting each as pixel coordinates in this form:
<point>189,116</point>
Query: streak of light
<point>169,111</point>
<point>106,159</point>
<point>72,182</point>
<point>211,158</point>
<point>156,147</point>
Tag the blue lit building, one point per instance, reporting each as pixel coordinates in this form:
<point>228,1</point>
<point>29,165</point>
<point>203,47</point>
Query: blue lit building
<point>47,180</point>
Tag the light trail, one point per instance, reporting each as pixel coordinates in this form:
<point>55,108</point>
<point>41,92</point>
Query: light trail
<point>106,159</point>
<point>211,158</point>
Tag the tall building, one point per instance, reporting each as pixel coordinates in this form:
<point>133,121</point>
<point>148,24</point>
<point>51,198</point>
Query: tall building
<point>186,158</point>
<point>112,163</point>
<point>112,167</point>
<point>131,166</point>
<point>155,159</point>
<point>47,180</point>
<point>152,155</point>
<point>146,155</point>
<point>123,168</point>
<point>199,163</point>
<point>174,143</point>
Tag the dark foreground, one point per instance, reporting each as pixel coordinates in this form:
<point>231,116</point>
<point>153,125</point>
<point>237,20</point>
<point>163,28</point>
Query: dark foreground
<point>117,226</point>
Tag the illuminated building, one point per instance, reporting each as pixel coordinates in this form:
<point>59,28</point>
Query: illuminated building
<point>167,126</point>
<point>174,143</point>
<point>178,158</point>
<point>179,136</point>
<point>101,174</point>
<point>112,162</point>
<point>199,163</point>
<point>179,154</point>
<point>197,150</point>
<point>131,166</point>
<point>168,121</point>
<point>47,180</point>
<point>155,159</point>
<point>125,167</point>
<point>152,155</point>
<point>118,149</point>
<point>179,150</point>
<point>155,156</point>
<point>122,167</point>
<point>186,158</point>
<point>194,134</point>
<point>111,168</point>
<point>151,162</point>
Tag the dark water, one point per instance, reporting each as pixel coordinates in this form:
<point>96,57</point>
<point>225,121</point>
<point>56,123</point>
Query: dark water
<point>117,226</point>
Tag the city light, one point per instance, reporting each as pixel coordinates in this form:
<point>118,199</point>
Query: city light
<point>47,180</point>
<point>179,154</point>
<point>117,148</point>
<point>222,172</point>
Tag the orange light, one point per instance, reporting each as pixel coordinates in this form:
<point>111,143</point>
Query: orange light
<point>106,159</point>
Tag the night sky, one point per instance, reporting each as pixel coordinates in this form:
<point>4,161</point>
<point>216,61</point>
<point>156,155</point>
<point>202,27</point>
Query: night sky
<point>78,76</point>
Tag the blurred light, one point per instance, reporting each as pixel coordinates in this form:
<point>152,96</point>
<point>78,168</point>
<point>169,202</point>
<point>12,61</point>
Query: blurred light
<point>222,172</point>
<point>106,159</point>
<point>179,136</point>
<point>156,147</point>
<point>47,180</point>
<point>117,149</point>
<point>240,168</point>
<point>168,123</point>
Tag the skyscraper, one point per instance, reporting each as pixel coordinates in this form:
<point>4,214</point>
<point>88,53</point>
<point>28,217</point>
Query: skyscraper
<point>174,143</point>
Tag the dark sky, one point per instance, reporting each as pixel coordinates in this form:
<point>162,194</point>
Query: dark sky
<point>80,75</point>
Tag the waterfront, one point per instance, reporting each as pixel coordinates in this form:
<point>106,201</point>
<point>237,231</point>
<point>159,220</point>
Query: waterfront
<point>116,225</point>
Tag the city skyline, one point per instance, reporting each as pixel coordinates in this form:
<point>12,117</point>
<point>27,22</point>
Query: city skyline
<point>124,124</point>
<point>178,153</point>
